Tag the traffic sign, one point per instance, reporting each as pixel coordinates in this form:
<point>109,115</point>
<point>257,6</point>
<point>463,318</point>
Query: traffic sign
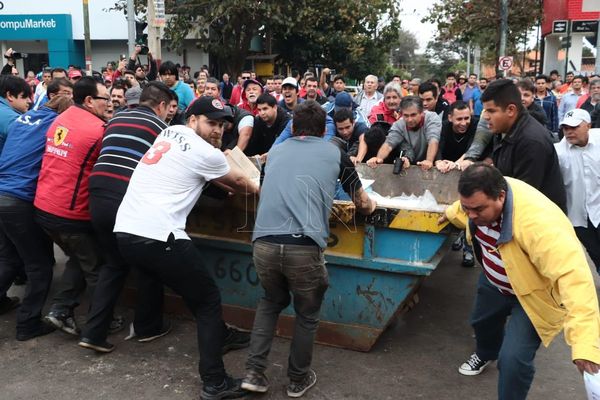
<point>560,26</point>
<point>584,26</point>
<point>505,62</point>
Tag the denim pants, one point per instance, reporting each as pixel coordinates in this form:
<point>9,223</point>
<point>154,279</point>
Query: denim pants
<point>285,270</point>
<point>179,265</point>
<point>513,343</point>
<point>112,278</point>
<point>23,244</point>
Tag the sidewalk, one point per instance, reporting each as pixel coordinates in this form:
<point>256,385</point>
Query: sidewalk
<point>417,358</point>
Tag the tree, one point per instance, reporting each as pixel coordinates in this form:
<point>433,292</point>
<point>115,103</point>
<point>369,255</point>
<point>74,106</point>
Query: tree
<point>403,51</point>
<point>470,21</point>
<point>354,36</point>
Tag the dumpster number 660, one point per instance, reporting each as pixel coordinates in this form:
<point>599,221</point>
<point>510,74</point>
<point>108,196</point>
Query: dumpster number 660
<point>235,271</point>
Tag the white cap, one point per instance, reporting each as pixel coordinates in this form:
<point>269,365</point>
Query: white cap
<point>575,117</point>
<point>290,81</point>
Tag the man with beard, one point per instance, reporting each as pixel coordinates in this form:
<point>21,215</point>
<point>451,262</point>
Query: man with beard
<point>417,134</point>
<point>252,89</point>
<point>117,98</point>
<point>312,90</point>
<point>593,98</point>
<point>150,226</point>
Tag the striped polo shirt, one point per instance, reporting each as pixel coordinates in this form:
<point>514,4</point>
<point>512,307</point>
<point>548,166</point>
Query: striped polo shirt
<point>493,267</point>
<point>129,134</point>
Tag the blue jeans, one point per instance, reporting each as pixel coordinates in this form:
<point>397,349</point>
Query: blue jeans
<point>513,344</point>
<point>285,270</point>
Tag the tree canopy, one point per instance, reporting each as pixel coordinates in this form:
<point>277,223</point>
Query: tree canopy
<point>351,35</point>
<point>478,22</point>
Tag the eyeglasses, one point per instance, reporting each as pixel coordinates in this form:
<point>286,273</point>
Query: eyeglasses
<point>246,77</point>
<point>106,99</point>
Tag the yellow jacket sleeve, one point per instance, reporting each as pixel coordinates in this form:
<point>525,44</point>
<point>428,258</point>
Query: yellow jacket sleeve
<point>456,215</point>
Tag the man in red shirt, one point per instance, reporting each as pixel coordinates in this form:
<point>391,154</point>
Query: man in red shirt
<point>62,199</point>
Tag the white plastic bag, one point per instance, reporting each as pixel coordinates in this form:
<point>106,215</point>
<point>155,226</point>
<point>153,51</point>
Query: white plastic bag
<point>592,385</point>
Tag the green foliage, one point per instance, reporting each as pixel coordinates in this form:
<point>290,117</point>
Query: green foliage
<point>478,22</point>
<point>355,35</point>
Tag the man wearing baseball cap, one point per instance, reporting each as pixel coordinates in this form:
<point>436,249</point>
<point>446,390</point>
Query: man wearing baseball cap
<point>579,159</point>
<point>289,91</point>
<point>150,226</point>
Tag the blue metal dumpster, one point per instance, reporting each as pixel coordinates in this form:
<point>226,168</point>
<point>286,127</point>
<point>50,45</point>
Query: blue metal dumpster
<point>375,264</point>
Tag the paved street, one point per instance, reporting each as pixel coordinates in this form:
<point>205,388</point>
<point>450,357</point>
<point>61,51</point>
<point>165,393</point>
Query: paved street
<point>417,358</point>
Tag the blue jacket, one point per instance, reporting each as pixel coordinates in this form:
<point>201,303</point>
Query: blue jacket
<point>7,116</point>
<point>548,103</point>
<point>287,131</point>
<point>21,160</point>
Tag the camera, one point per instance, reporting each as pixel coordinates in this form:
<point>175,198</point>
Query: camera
<point>17,56</point>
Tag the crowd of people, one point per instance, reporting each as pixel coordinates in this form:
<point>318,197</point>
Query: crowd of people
<point>108,167</point>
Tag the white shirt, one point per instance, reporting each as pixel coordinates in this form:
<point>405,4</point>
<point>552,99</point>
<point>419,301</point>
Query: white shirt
<point>367,103</point>
<point>166,184</point>
<point>580,168</point>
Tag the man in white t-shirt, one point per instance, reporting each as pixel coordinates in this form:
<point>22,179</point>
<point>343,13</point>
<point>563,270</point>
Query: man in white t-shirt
<point>150,226</point>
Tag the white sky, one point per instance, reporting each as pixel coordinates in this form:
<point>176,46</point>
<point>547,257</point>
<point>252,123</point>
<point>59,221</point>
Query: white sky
<point>412,13</point>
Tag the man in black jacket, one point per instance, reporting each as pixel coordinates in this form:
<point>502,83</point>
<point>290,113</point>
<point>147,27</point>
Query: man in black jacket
<point>522,148</point>
<point>527,90</point>
<point>268,124</point>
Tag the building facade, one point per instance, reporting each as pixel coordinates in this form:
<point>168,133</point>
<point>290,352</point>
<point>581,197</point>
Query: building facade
<point>51,33</point>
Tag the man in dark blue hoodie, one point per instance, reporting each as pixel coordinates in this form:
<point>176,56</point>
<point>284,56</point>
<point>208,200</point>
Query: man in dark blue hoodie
<point>23,243</point>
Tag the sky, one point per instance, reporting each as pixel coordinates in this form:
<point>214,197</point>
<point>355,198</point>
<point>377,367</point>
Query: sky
<point>410,17</point>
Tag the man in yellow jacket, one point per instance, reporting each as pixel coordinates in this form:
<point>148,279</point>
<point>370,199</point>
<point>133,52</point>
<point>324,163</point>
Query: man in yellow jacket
<point>534,270</point>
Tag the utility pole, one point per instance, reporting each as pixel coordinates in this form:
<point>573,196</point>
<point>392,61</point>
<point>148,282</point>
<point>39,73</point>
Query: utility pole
<point>477,60</point>
<point>503,28</point>
<point>87,40</point>
<point>156,20</point>
<point>568,45</point>
<point>130,26</point>
<point>468,59</point>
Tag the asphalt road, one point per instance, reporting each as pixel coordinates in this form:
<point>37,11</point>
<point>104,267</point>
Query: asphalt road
<point>417,358</point>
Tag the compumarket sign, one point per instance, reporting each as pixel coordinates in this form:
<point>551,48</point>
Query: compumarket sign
<point>36,27</point>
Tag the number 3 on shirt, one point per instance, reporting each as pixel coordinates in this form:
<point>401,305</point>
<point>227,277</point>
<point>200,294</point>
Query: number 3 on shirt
<point>155,153</point>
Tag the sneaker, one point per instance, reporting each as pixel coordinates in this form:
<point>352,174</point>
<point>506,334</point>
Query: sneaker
<point>255,382</point>
<point>164,330</point>
<point>44,330</point>
<point>297,389</point>
<point>116,325</point>
<point>8,304</point>
<point>458,243</point>
<point>100,347</point>
<point>62,321</point>
<point>473,366</point>
<point>235,339</point>
<point>228,389</point>
<point>468,259</point>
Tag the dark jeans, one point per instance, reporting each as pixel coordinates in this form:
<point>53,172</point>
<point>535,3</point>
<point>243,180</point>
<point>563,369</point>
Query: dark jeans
<point>513,344</point>
<point>179,265</point>
<point>112,278</point>
<point>81,269</point>
<point>590,238</point>
<point>285,270</point>
<point>23,244</point>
